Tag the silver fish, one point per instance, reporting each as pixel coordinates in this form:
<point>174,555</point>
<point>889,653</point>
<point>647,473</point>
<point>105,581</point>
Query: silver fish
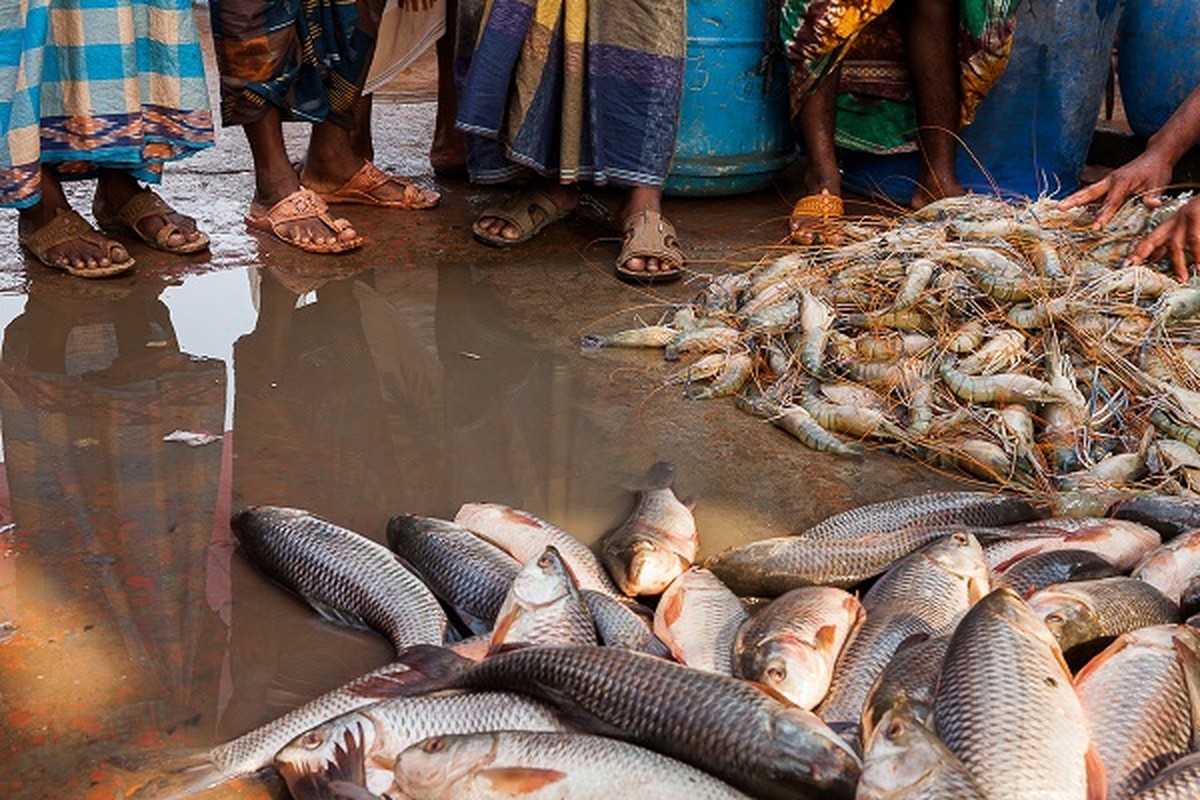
<point>656,542</point>
<point>1172,566</point>
<point>541,766</point>
<point>376,735</point>
<point>1006,707</point>
<point>523,536</point>
<point>698,618</point>
<point>544,606</point>
<point>904,759</point>
<point>1054,566</point>
<point>793,643</point>
<point>1180,781</point>
<point>1135,698</point>
<point>1085,611</point>
<point>932,510</point>
<point>341,574</point>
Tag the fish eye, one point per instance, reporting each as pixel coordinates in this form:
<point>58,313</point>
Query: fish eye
<point>1055,618</point>
<point>434,746</point>
<point>544,560</point>
<point>959,538</point>
<point>776,673</point>
<point>896,729</point>
<point>311,740</point>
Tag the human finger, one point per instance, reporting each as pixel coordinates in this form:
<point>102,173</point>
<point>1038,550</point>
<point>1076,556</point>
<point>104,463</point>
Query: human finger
<point>1087,194</point>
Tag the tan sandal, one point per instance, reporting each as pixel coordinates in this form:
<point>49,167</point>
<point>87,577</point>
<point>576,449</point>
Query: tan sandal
<point>302,204</point>
<point>140,207</point>
<point>649,235</point>
<point>815,219</point>
<point>517,211</point>
<point>68,226</point>
<point>363,186</point>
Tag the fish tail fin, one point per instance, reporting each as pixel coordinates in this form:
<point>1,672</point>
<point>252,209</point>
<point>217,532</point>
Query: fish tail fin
<point>178,774</point>
<point>426,668</point>
<point>342,778</point>
<point>661,475</point>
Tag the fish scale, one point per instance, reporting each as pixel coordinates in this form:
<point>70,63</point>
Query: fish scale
<point>1136,703</point>
<point>618,625</point>
<point>935,509</point>
<point>1180,781</point>
<point>698,618</point>
<point>1089,610</point>
<point>1006,707</point>
<point>570,765</point>
<point>470,574</point>
<point>722,725</point>
<point>340,573</point>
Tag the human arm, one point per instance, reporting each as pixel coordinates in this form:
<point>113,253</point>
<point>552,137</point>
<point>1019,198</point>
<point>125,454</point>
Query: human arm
<point>1150,172</point>
<point>1174,238</point>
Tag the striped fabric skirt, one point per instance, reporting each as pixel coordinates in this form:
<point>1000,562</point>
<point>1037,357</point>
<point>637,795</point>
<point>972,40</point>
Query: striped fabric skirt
<point>307,58</point>
<point>572,89</point>
<point>86,84</point>
<point>875,110</point>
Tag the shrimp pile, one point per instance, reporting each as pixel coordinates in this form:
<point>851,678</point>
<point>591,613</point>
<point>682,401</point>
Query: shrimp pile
<point>1006,342</point>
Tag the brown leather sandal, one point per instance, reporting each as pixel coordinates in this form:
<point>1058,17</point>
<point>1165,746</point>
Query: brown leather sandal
<point>302,204</point>
<point>68,226</point>
<point>139,208</point>
<point>364,185</point>
<point>649,235</point>
<point>517,211</point>
<point>816,219</point>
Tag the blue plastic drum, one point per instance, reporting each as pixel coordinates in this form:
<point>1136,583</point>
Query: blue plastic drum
<point>1158,59</point>
<point>734,132</point>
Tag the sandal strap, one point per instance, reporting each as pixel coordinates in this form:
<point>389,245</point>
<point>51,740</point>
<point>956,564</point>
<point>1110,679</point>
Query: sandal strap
<point>648,234</point>
<point>67,226</point>
<point>302,204</point>
<point>516,210</point>
<point>823,205</point>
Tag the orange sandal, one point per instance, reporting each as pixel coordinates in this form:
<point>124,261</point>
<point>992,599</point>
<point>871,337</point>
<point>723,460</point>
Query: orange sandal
<point>139,208</point>
<point>69,226</point>
<point>363,186</point>
<point>811,218</point>
<point>302,204</point>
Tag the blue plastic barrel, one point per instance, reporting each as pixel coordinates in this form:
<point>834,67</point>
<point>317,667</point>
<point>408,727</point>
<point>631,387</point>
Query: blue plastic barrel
<point>1032,132</point>
<point>734,131</point>
<point>1158,59</point>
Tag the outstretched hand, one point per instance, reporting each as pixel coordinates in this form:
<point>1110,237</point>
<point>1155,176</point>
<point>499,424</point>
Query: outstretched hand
<point>1147,174</point>
<point>1176,237</point>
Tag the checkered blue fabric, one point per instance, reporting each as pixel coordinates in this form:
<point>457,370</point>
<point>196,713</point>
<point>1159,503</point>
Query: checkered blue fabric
<point>97,83</point>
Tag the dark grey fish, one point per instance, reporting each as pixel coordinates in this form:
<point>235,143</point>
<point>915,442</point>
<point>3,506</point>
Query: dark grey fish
<point>723,725</point>
<point>624,624</point>
<point>1170,515</point>
<point>656,542</point>
<point>933,510</point>
<point>344,576</point>
<point>1040,570</point>
<point>468,574</point>
<point>908,681</point>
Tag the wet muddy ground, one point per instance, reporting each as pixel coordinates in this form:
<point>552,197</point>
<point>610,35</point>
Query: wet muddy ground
<point>420,373</point>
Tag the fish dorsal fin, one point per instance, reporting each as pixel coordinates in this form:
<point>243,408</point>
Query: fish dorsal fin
<point>516,781</point>
<point>1097,775</point>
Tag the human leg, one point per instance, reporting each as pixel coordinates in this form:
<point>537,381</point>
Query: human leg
<point>275,181</point>
<point>448,153</point>
<point>816,117</point>
<point>336,169</point>
<point>932,36</point>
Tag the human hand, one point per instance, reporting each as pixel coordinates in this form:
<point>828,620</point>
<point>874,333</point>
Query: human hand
<point>1147,174</point>
<point>1175,237</point>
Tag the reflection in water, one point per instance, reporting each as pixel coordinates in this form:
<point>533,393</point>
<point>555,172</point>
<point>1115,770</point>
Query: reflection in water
<point>115,634</point>
<point>357,396</point>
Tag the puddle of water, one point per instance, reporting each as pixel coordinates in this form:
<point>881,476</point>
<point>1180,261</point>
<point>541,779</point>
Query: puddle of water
<point>130,624</point>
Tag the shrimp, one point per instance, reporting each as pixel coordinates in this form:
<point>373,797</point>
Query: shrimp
<point>967,338</point>
<point>645,336</point>
<point>738,369</point>
<point>816,318</point>
<point>1006,387</point>
<point>1002,351</point>
<point>702,340</point>
<point>857,421</point>
<point>916,278</point>
<point>800,424</point>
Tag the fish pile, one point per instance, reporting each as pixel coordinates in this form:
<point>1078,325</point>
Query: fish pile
<point>1006,342</point>
<point>948,645</point>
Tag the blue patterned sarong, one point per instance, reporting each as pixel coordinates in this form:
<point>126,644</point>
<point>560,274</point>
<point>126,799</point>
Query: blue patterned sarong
<point>86,84</point>
<point>572,89</point>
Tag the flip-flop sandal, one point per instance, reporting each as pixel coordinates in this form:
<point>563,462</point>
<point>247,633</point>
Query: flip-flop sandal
<point>363,189</point>
<point>140,207</point>
<point>819,209</point>
<point>517,211</point>
<point>302,204</point>
<point>649,235</point>
<point>69,226</point>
